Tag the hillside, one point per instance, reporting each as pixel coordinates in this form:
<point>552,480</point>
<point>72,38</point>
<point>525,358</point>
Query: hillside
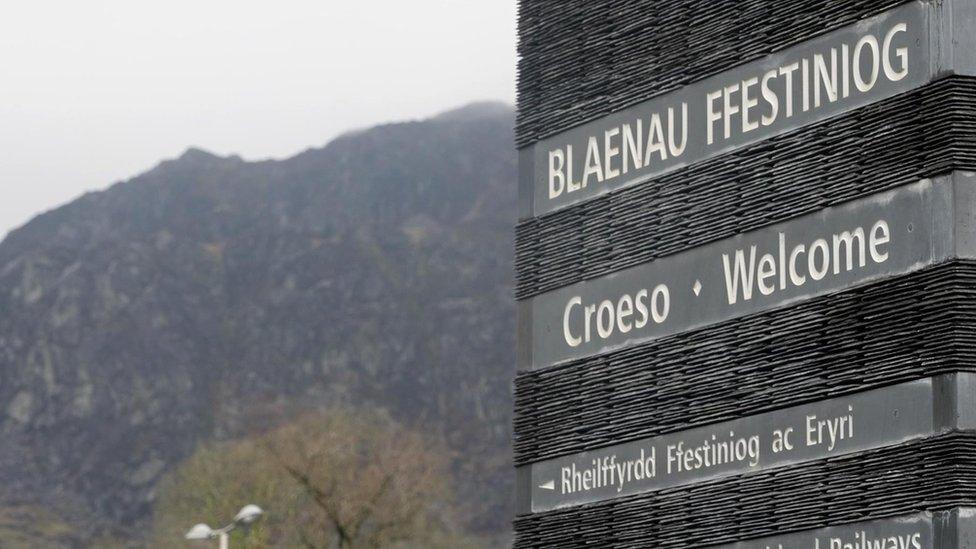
<point>210,297</point>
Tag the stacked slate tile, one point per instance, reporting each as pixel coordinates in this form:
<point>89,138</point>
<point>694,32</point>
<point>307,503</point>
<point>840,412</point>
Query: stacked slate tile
<point>582,60</point>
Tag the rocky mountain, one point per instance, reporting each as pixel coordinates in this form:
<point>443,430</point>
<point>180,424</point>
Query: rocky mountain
<point>211,296</point>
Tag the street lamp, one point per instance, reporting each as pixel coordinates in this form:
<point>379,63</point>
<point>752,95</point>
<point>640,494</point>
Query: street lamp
<point>247,515</point>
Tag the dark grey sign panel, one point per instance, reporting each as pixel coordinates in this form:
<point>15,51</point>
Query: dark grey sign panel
<point>818,430</point>
<point>950,529</point>
<point>834,249</point>
<point>872,60</point>
<point>919,531</point>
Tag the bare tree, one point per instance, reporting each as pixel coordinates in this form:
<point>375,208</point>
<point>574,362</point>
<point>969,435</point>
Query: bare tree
<point>335,479</point>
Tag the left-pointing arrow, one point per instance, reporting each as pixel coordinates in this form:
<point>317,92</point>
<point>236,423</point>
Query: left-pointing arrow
<point>551,485</point>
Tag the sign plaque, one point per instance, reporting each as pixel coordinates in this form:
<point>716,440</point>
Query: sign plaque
<point>818,430</point>
<point>952,529</point>
<point>864,63</point>
<point>880,236</point>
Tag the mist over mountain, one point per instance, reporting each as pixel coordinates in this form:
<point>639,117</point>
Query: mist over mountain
<point>210,297</point>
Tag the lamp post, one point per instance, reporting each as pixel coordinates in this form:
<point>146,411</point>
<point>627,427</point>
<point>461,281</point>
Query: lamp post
<point>248,514</point>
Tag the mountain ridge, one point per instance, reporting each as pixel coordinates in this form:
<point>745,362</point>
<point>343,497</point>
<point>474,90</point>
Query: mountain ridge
<point>139,317</point>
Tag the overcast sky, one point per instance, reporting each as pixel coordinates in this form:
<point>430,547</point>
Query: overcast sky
<point>97,91</point>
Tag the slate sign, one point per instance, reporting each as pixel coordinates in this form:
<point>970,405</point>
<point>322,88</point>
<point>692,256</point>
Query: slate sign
<point>863,63</point>
<point>840,407</point>
<point>836,248</point>
<point>818,430</point>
